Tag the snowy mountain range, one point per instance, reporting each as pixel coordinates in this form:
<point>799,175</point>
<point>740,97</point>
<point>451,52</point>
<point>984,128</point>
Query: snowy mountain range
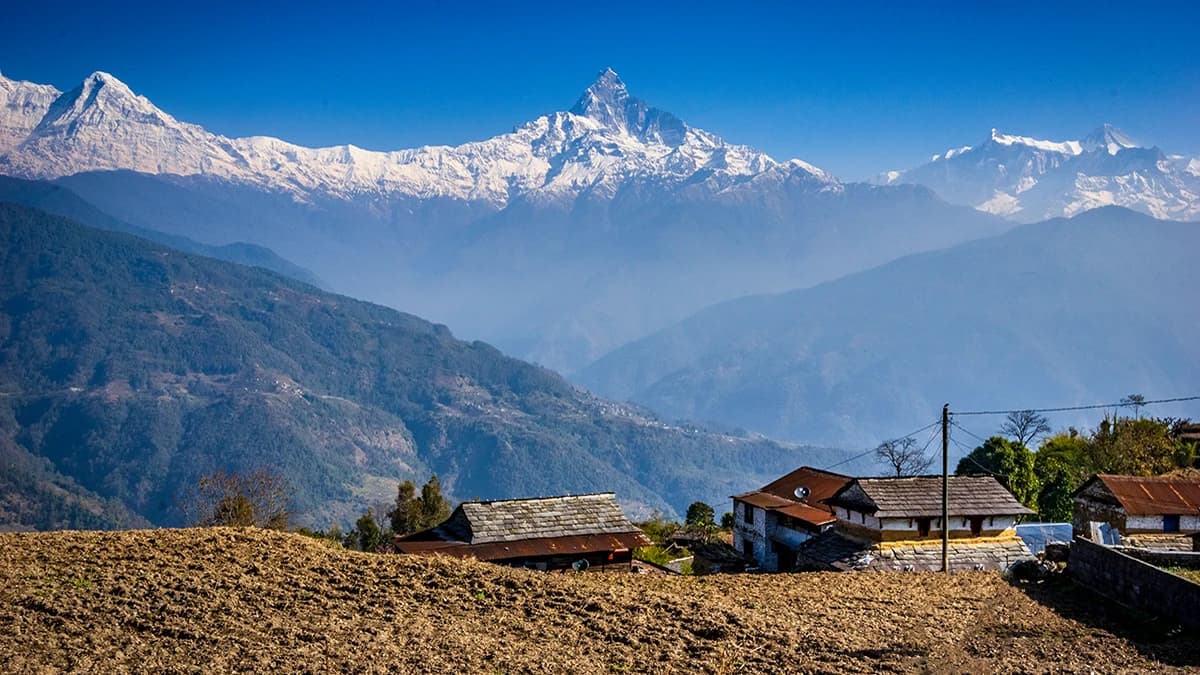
<point>608,138</point>
<point>558,241</point>
<point>1029,179</point>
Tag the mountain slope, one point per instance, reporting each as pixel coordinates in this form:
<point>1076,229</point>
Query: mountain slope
<point>61,201</point>
<point>132,369</point>
<point>1030,179</point>
<point>542,240</point>
<point>1055,313</point>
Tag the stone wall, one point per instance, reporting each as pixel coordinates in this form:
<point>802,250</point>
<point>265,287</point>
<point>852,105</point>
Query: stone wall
<point>1134,583</point>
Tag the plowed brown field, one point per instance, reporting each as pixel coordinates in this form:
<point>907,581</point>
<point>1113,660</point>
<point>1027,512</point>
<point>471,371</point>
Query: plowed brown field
<point>213,600</point>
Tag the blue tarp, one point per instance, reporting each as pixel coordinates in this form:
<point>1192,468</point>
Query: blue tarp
<point>1035,535</point>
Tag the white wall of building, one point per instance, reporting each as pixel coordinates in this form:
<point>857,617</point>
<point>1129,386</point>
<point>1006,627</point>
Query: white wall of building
<point>1155,523</point>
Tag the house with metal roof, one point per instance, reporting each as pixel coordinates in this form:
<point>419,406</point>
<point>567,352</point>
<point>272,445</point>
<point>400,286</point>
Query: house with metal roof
<point>1149,511</point>
<point>580,532</point>
<point>895,523</point>
<point>770,523</point>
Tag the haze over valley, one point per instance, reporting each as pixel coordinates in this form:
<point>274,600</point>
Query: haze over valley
<point>604,296</point>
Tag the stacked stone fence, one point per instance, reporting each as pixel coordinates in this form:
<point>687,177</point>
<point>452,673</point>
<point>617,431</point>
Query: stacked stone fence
<point>1136,583</point>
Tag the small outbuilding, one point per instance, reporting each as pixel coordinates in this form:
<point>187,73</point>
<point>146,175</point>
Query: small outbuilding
<point>579,532</point>
<point>1148,511</point>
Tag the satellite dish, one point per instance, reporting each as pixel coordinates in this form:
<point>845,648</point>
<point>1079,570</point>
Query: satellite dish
<point>801,493</point>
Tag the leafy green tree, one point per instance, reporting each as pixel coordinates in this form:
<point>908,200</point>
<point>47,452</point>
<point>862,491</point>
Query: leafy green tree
<point>727,520</point>
<point>1137,447</point>
<point>368,532</point>
<point>1059,468</point>
<point>700,515</point>
<point>434,506</point>
<point>1011,464</point>
<point>406,515</point>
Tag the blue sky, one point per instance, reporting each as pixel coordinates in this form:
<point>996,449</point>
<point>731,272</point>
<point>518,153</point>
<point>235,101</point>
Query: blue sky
<point>856,88</point>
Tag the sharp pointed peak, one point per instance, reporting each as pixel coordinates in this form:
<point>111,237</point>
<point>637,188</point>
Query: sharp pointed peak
<point>1109,138</point>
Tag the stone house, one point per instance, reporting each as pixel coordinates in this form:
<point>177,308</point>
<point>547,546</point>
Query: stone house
<point>580,532</point>
<point>1148,511</point>
<point>772,522</point>
<point>895,524</point>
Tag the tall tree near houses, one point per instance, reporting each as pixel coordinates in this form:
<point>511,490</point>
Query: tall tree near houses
<point>903,457</point>
<point>406,514</point>
<point>1023,426</point>
<point>434,506</point>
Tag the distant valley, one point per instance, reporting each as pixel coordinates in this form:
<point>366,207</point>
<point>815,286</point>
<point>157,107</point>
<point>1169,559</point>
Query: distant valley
<point>127,370</point>
<point>1079,310</point>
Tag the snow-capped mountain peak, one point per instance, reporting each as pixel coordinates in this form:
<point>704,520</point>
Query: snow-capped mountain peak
<point>1031,179</point>
<point>608,139</point>
<point>1063,147</point>
<point>1108,138</point>
<point>608,101</point>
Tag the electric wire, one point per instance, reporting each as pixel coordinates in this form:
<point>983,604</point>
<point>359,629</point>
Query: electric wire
<point>1098,406</point>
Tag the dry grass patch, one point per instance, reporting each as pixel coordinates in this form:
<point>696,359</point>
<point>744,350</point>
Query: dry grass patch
<point>252,600</point>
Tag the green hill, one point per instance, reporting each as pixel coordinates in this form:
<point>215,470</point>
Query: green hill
<point>133,369</point>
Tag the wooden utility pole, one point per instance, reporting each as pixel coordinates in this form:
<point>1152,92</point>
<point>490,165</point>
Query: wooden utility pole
<point>946,488</point>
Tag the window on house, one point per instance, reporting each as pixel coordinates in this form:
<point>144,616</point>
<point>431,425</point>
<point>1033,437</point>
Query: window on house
<point>1171,523</point>
<point>748,514</point>
<point>922,527</point>
<point>976,525</point>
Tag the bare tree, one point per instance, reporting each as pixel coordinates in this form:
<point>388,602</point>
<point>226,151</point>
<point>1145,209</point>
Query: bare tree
<point>1135,401</point>
<point>1024,426</point>
<point>904,457</point>
<point>254,498</point>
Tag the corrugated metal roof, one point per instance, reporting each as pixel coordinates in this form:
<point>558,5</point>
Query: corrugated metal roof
<point>780,495</point>
<point>821,484</point>
<point>527,548</point>
<point>920,496</point>
<point>1154,495</point>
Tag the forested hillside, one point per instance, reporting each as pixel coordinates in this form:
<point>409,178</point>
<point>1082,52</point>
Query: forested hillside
<point>133,369</point>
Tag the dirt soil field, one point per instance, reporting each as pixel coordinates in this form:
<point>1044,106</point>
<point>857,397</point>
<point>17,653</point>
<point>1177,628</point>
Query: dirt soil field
<point>213,600</point>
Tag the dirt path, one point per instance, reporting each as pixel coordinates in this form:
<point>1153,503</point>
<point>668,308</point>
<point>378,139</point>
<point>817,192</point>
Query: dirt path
<point>246,600</point>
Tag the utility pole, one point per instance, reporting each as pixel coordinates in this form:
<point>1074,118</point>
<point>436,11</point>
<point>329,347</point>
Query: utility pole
<point>946,488</point>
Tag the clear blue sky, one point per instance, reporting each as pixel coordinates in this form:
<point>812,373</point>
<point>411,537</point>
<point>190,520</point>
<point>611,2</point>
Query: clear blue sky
<point>855,89</point>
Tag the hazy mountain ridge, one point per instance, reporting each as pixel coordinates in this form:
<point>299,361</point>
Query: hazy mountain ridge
<point>1053,313</point>
<point>132,369</point>
<point>543,240</point>
<point>1029,179</point>
<point>60,201</point>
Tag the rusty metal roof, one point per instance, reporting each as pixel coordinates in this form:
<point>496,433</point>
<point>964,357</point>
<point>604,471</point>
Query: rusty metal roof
<point>921,496</point>
<point>780,495</point>
<point>1153,495</point>
<point>821,484</point>
<point>526,548</point>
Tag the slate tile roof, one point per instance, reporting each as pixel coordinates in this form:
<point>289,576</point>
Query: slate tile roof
<point>921,496</point>
<point>573,515</point>
<point>1151,495</point>
<point>512,528</point>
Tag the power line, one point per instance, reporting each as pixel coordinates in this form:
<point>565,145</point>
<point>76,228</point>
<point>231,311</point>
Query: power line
<point>977,437</point>
<point>864,454</point>
<point>1097,406</point>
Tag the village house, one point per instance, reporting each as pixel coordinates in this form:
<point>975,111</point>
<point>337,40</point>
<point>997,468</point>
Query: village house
<point>895,524</point>
<point>580,532</point>
<point>1147,511</point>
<point>770,523</point>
